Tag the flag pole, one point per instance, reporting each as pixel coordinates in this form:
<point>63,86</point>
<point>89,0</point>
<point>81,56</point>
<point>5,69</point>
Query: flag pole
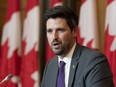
<point>42,38</point>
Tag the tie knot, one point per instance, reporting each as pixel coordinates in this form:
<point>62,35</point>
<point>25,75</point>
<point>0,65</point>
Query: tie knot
<point>62,63</point>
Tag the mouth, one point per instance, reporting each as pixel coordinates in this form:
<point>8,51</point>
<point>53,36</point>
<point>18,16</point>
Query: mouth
<point>56,45</point>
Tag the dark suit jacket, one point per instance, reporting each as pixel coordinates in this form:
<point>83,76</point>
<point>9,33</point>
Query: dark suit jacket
<point>89,68</point>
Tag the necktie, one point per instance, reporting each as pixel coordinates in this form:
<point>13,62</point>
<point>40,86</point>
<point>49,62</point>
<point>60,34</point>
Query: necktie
<point>61,77</point>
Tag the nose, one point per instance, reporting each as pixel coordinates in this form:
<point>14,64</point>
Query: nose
<point>55,35</point>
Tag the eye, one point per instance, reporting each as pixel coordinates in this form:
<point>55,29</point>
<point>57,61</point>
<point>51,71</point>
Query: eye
<point>49,30</point>
<point>61,30</point>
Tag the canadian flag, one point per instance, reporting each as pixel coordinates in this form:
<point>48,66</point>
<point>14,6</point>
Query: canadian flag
<point>110,35</point>
<point>11,44</point>
<point>29,66</point>
<point>88,31</point>
<point>56,3</point>
<point>49,53</point>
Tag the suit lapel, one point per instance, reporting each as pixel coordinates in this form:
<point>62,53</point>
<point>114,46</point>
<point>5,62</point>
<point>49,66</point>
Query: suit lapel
<point>54,72</point>
<point>74,65</point>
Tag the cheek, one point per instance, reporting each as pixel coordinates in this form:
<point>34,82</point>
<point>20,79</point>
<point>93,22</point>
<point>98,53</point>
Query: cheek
<point>65,37</point>
<point>49,42</point>
<point>49,38</point>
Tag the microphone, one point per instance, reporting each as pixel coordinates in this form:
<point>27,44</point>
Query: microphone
<point>6,78</point>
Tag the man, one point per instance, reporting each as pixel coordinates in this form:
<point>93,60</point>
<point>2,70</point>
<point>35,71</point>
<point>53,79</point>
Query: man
<point>82,67</point>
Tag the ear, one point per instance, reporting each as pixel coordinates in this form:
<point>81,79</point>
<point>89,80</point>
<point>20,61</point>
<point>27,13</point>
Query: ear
<point>75,31</point>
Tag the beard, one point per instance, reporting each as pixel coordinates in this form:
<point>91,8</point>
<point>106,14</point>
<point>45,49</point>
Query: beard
<point>60,49</point>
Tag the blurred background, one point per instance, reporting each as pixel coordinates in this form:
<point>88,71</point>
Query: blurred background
<point>24,49</point>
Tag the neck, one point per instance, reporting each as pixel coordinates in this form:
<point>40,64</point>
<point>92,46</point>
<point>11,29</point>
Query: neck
<point>62,56</point>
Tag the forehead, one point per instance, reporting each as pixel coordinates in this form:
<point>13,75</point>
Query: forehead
<point>56,22</point>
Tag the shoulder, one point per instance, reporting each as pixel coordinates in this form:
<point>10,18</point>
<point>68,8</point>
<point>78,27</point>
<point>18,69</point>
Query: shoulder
<point>90,58</point>
<point>52,62</point>
<point>86,53</point>
<point>91,55</point>
<point>93,63</point>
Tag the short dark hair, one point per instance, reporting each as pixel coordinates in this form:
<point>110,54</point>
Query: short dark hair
<point>63,12</point>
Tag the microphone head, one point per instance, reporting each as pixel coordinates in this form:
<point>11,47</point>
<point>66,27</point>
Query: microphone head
<point>10,75</point>
<point>6,78</point>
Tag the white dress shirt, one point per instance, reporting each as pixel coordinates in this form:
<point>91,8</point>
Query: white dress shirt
<point>67,59</point>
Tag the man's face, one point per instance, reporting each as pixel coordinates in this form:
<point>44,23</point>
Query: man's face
<point>59,35</point>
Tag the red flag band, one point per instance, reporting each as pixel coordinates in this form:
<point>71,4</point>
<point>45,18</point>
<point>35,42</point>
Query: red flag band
<point>110,35</point>
<point>29,65</point>
<point>10,46</point>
